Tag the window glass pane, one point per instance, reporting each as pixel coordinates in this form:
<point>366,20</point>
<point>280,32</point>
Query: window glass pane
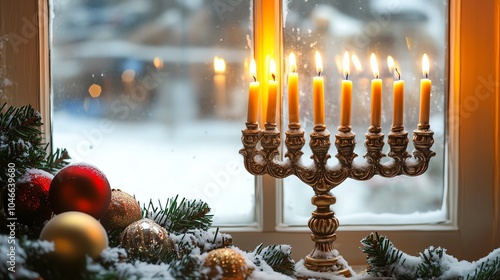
<point>404,30</point>
<point>136,94</point>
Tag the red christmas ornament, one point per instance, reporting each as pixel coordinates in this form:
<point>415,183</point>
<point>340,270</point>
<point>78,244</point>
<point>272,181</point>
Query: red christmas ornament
<point>31,200</point>
<point>80,187</point>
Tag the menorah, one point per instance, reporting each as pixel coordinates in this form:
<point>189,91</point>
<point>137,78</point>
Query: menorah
<point>323,178</point>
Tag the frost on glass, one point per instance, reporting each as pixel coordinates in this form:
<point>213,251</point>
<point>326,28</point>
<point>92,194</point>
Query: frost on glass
<point>404,30</point>
<point>136,94</point>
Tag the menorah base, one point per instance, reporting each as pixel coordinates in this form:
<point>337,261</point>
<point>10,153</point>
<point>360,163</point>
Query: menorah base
<point>316,267</point>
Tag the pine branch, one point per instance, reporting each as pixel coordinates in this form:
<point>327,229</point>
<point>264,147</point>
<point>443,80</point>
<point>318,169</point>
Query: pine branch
<point>383,258</point>
<point>278,257</point>
<point>180,216</point>
<point>431,265</point>
<point>21,143</point>
<point>488,269</point>
<point>55,161</point>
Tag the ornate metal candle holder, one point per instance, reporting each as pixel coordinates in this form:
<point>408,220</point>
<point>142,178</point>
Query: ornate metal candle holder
<point>323,178</point>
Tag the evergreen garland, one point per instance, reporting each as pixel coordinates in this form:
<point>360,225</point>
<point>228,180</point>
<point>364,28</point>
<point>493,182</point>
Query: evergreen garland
<point>385,260</point>
<point>21,143</point>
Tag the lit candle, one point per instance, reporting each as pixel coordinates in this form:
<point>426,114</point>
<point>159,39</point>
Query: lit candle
<point>293,91</point>
<point>220,84</point>
<point>272,94</point>
<point>346,94</point>
<point>376,94</point>
<point>425,92</point>
<point>253,94</point>
<point>319,93</point>
<point>398,95</point>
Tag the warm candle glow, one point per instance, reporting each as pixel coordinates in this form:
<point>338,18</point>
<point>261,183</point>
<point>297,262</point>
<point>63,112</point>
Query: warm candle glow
<point>158,62</point>
<point>319,64</point>
<point>219,65</point>
<point>356,62</point>
<point>425,66</point>
<point>346,65</point>
<point>253,70</point>
<point>374,65</point>
<point>95,90</point>
<point>293,63</point>
<point>272,68</point>
<point>390,63</point>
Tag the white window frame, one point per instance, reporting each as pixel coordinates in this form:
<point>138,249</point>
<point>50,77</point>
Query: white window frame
<point>474,145</point>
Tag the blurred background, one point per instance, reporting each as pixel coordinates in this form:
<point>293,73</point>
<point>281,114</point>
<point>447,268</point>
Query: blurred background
<point>135,92</point>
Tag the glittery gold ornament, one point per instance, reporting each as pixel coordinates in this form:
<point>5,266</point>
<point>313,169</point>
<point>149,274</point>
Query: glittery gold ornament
<point>75,235</point>
<point>123,210</point>
<point>146,240</point>
<point>230,262</point>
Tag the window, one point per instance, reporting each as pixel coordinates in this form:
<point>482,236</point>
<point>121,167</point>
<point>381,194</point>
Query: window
<point>474,134</point>
<point>135,93</point>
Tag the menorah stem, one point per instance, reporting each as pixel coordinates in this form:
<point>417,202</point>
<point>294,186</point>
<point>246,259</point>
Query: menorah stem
<point>324,224</point>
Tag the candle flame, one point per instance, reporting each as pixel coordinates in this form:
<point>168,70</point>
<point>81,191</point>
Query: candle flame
<point>219,65</point>
<point>319,64</point>
<point>356,62</point>
<point>293,63</point>
<point>390,63</point>
<point>374,65</point>
<point>425,65</point>
<point>272,68</point>
<point>346,65</point>
<point>253,69</point>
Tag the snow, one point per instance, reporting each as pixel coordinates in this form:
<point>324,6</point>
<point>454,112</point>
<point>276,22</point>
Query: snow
<point>31,174</point>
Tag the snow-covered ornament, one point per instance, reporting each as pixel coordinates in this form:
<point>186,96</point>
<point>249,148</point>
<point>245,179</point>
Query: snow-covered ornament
<point>29,197</point>
<point>227,263</point>
<point>80,187</point>
<point>123,210</point>
<point>145,240</point>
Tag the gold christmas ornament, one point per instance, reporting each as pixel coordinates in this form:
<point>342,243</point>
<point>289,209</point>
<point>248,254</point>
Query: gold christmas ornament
<point>123,210</point>
<point>146,240</point>
<point>231,263</point>
<point>75,235</point>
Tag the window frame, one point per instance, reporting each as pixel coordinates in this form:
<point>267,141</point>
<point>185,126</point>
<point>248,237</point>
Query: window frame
<point>474,102</point>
